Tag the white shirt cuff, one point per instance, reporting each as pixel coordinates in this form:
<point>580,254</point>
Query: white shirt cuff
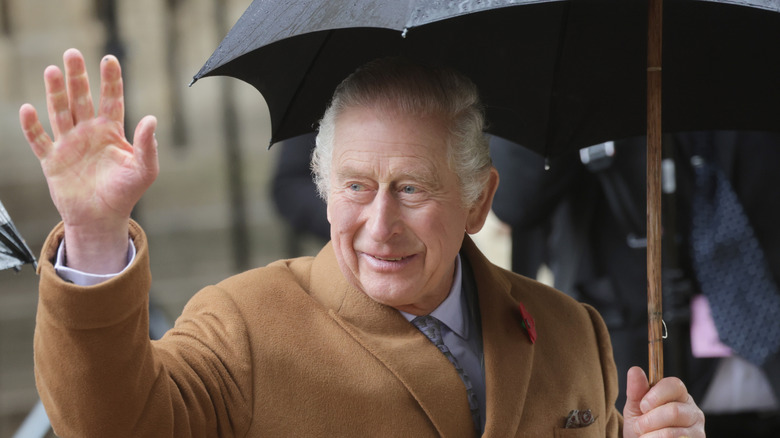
<point>84,278</point>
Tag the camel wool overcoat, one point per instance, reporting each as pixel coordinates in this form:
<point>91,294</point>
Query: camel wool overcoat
<point>293,350</point>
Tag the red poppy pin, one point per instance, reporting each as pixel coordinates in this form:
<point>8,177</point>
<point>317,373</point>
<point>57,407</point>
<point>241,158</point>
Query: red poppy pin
<point>528,323</point>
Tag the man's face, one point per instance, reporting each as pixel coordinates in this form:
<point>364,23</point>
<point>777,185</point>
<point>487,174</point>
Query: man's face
<point>397,221</point>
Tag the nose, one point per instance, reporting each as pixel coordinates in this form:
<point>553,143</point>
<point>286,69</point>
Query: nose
<point>384,216</point>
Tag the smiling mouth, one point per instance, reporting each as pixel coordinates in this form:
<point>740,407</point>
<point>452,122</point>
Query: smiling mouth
<point>389,259</point>
<point>388,264</point>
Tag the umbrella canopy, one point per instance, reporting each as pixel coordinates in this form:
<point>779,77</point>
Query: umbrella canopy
<point>555,75</point>
<point>14,252</point>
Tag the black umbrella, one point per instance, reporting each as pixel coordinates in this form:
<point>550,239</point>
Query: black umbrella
<point>14,252</point>
<point>555,76</point>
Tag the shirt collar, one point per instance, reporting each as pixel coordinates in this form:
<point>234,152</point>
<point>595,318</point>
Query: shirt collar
<point>451,312</point>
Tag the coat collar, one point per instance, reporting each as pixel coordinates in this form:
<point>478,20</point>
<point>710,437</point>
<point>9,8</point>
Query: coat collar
<point>384,332</point>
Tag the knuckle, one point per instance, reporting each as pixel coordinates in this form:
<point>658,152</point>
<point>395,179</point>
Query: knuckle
<point>674,410</point>
<point>681,386</point>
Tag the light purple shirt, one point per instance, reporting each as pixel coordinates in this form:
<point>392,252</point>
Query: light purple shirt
<point>83,278</point>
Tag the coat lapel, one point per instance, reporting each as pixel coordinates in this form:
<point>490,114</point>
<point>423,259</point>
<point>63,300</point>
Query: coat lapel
<point>404,351</point>
<point>507,349</point>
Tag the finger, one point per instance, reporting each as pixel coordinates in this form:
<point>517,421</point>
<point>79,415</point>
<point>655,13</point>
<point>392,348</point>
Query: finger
<point>668,390</point>
<point>39,140</point>
<point>81,106</point>
<point>145,146</point>
<point>679,416</point>
<point>681,432</point>
<point>637,387</point>
<point>112,104</point>
<point>57,101</point>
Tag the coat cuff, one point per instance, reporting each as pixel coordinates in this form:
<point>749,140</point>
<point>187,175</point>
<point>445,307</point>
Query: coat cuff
<point>100,305</point>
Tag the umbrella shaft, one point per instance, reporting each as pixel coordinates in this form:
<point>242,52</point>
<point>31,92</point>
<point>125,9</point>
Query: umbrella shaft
<point>654,131</point>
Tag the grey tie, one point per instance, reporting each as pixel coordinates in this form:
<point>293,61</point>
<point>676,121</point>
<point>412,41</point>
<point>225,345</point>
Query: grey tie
<point>431,327</point>
<point>730,266</point>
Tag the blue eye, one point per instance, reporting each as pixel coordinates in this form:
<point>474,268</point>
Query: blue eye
<point>355,187</point>
<point>409,190</point>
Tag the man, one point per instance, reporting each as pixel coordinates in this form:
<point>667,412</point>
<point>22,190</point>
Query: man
<point>320,346</point>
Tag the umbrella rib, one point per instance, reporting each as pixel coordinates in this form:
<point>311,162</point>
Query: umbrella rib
<point>11,242</point>
<point>556,75</point>
<point>306,74</point>
<point>14,249</point>
<point>9,238</point>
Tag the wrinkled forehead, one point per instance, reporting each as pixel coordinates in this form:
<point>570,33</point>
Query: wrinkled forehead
<point>374,137</point>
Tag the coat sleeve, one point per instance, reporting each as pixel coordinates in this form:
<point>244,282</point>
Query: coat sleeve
<point>98,373</point>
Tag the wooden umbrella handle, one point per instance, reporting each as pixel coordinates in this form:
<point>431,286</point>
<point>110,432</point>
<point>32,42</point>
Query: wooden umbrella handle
<point>654,132</point>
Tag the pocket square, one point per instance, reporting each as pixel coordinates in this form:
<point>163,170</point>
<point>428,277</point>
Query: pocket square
<point>578,418</point>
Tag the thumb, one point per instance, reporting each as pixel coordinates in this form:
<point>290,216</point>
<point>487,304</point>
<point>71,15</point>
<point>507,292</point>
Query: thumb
<point>637,386</point>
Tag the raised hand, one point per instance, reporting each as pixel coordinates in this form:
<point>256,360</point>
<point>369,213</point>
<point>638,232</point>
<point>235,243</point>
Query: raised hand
<point>665,410</point>
<point>95,175</point>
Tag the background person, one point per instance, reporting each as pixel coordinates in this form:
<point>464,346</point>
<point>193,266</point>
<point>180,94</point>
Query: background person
<point>595,214</point>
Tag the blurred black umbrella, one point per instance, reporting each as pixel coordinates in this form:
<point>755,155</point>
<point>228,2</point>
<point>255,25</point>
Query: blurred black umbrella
<point>555,75</point>
<point>14,252</point>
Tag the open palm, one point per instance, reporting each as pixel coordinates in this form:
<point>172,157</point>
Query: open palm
<point>95,176</point>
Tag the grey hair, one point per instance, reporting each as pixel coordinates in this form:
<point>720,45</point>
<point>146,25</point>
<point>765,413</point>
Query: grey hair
<point>399,85</point>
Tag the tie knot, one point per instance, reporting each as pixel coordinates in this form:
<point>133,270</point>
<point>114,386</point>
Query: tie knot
<point>430,326</point>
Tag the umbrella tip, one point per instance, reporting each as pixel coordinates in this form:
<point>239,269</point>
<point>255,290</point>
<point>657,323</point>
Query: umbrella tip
<point>194,79</point>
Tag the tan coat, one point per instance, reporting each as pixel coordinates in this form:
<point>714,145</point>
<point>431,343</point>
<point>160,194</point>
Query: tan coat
<point>292,350</point>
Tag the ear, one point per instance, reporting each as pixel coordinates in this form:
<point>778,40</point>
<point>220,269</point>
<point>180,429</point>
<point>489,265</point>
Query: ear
<point>479,212</point>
